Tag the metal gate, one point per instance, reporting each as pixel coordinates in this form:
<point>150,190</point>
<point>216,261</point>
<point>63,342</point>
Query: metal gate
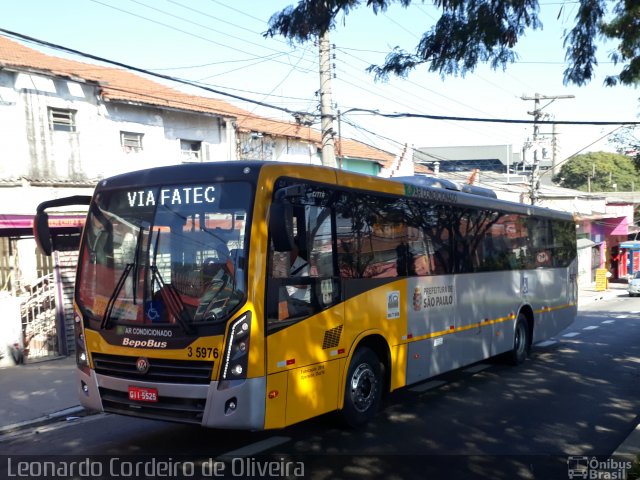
<point>38,312</point>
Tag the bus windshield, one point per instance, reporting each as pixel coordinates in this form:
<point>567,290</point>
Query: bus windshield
<point>167,255</point>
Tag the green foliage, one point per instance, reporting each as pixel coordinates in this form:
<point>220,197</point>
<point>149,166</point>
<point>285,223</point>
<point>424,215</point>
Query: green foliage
<point>605,172</point>
<point>470,32</point>
<point>627,142</point>
<point>625,26</point>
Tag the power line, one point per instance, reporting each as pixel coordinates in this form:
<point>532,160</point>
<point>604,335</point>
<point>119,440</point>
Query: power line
<point>302,99</point>
<point>266,59</point>
<point>585,147</point>
<point>414,106</point>
<point>188,67</point>
<point>142,70</point>
<point>188,32</point>
<point>488,120</point>
<point>226,22</point>
<point>281,81</point>
<point>238,11</point>
<point>422,87</point>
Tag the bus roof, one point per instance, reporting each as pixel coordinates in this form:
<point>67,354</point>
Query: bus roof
<point>236,170</point>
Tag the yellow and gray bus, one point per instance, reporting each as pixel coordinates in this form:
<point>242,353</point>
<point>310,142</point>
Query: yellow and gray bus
<point>187,307</point>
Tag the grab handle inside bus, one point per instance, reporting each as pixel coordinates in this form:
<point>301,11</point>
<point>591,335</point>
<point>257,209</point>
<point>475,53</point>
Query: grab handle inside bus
<point>41,230</point>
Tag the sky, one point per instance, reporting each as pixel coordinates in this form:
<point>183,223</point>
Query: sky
<point>220,43</point>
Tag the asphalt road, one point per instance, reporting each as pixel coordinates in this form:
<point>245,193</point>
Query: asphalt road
<point>577,396</point>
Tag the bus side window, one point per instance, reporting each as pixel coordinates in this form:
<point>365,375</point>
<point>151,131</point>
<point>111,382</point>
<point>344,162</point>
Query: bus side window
<point>300,281</point>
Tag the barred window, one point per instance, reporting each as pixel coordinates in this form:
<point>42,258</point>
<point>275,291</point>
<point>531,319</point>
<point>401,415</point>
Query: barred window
<point>131,142</point>
<point>62,119</point>
<point>191,150</point>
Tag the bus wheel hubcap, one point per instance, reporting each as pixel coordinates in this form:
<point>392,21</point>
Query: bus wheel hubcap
<point>363,387</point>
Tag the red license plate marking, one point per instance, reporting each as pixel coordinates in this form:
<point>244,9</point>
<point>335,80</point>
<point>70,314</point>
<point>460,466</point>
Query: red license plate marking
<point>143,394</point>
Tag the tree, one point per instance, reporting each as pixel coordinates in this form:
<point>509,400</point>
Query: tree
<point>599,171</point>
<point>470,32</point>
<point>627,142</point>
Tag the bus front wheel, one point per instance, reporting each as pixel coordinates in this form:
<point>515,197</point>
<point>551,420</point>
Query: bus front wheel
<point>363,391</point>
<point>521,341</point>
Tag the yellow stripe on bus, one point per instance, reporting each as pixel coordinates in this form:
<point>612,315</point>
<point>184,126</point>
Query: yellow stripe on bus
<point>494,321</point>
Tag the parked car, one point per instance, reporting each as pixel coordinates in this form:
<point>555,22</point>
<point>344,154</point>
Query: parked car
<point>634,284</point>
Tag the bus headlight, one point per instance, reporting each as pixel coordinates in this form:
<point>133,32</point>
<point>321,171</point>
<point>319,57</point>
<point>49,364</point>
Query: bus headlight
<point>236,354</point>
<point>82,359</point>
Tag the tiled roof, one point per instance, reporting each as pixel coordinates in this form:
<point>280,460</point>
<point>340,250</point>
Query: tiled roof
<point>124,86</point>
<point>116,84</point>
<point>419,168</point>
<point>353,149</point>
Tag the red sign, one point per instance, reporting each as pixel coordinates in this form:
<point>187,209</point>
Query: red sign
<point>9,221</point>
<point>143,394</point>
<point>66,221</point>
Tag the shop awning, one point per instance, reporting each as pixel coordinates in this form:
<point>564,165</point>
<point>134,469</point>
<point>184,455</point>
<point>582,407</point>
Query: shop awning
<point>631,245</point>
<point>584,243</point>
<point>19,222</point>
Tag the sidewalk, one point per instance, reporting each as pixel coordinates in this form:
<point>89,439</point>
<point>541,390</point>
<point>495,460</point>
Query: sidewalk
<point>37,392</point>
<point>41,392</point>
<point>588,294</point>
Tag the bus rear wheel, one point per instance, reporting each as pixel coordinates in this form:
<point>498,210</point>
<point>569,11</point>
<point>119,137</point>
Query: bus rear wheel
<point>521,341</point>
<point>363,391</point>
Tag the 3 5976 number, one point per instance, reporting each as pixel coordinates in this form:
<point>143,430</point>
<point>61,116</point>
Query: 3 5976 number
<point>202,352</point>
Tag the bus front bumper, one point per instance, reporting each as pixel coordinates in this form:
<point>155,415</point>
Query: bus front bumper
<point>237,404</point>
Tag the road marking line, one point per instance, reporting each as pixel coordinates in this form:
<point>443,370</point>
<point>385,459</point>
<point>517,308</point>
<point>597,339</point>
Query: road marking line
<point>428,386</point>
<point>572,334</point>
<point>546,343</point>
<point>609,321</point>
<point>477,368</point>
<point>253,448</point>
<point>592,327</point>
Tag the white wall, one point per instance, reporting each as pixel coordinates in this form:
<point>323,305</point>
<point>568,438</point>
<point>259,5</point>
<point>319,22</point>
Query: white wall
<point>29,148</point>
<point>266,147</point>
<point>13,140</point>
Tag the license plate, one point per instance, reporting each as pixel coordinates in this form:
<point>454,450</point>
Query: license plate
<point>143,394</point>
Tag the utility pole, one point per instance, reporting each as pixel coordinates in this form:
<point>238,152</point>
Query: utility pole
<point>555,149</point>
<point>537,115</point>
<point>326,108</point>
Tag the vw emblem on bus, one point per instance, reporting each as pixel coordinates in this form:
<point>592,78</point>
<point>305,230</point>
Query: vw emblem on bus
<point>142,365</point>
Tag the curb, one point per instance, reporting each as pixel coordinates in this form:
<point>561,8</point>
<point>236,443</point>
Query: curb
<point>607,295</point>
<point>49,418</point>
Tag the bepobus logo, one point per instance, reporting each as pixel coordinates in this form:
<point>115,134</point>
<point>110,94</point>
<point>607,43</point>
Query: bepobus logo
<point>149,343</point>
<point>593,469</point>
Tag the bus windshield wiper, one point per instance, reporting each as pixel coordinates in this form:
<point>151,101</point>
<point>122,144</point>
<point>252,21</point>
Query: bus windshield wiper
<point>106,319</point>
<point>136,259</point>
<point>173,301</point>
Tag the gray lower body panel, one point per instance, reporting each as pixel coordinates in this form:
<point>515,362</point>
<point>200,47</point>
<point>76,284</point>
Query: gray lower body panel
<point>234,405</point>
<point>456,320</point>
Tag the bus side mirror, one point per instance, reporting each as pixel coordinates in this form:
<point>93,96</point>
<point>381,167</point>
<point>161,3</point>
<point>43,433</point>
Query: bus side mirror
<point>281,226</point>
<point>41,232</point>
